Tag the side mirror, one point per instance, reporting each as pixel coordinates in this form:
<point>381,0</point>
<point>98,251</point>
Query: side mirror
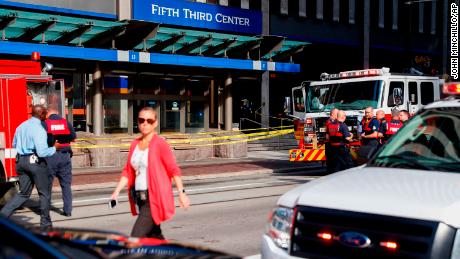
<point>287,105</point>
<point>397,96</point>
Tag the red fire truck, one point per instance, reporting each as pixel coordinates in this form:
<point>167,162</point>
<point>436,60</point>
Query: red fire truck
<point>22,84</point>
<point>353,91</point>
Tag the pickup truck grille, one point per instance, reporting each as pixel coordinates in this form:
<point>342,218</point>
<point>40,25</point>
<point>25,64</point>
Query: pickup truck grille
<point>414,238</point>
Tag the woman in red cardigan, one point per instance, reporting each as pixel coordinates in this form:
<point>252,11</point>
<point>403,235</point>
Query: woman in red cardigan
<point>148,173</point>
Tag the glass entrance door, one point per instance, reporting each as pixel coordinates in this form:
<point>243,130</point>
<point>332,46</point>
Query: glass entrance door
<point>172,118</point>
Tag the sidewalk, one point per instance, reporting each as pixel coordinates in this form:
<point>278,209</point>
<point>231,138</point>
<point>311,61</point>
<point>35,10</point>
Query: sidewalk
<point>260,162</point>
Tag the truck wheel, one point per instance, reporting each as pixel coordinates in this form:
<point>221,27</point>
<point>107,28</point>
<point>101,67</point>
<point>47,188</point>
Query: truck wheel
<point>8,191</point>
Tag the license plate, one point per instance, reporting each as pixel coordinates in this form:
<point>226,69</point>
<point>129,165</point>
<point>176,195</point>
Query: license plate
<point>322,129</point>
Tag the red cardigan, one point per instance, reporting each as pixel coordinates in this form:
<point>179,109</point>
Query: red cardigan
<point>161,168</point>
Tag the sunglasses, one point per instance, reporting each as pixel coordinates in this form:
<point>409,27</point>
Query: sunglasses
<point>142,120</point>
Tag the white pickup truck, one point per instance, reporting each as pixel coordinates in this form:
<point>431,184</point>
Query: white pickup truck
<point>404,203</point>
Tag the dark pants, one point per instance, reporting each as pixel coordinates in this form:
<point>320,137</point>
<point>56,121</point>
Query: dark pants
<point>60,166</point>
<point>327,152</point>
<point>340,158</point>
<point>30,174</point>
<point>144,225</point>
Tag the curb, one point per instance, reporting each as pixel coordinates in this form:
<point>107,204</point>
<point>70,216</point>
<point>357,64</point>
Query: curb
<point>197,177</point>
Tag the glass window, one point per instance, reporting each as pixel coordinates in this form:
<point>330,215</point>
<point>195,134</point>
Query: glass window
<point>255,5</point>
<point>413,93</point>
<point>426,92</point>
<point>396,94</point>
<point>429,141</point>
<point>344,96</point>
<point>194,116</point>
<point>299,102</point>
<point>172,112</point>
<point>115,116</point>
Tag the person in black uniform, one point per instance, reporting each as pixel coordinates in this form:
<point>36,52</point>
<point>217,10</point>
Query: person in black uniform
<point>390,128</point>
<point>332,118</point>
<point>380,116</point>
<point>369,137</point>
<point>60,164</point>
<point>339,136</point>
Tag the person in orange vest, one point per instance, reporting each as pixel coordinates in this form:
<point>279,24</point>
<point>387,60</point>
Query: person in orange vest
<point>369,136</point>
<point>391,127</point>
<point>332,119</point>
<point>339,154</point>
<point>404,116</point>
<point>60,164</point>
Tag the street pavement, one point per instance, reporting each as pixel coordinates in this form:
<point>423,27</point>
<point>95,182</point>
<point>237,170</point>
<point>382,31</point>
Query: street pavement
<point>230,201</point>
<point>256,163</point>
<point>227,214</point>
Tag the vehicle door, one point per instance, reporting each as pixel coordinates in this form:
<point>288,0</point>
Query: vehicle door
<point>427,92</point>
<point>396,94</point>
<point>298,102</point>
<point>13,111</point>
<point>413,95</point>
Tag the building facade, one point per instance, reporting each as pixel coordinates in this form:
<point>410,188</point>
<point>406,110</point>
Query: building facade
<point>200,62</point>
<point>192,61</point>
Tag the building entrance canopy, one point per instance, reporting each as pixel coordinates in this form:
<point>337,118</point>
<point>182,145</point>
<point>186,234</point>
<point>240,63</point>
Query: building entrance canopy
<point>62,36</point>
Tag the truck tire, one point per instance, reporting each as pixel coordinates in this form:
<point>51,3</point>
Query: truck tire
<point>8,191</point>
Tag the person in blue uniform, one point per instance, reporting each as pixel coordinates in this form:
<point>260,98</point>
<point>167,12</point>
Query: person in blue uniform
<point>30,143</point>
<point>60,164</point>
<point>369,136</point>
<point>339,136</point>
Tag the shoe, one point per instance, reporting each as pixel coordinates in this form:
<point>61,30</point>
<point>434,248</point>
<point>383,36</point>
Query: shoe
<point>46,228</point>
<point>67,214</point>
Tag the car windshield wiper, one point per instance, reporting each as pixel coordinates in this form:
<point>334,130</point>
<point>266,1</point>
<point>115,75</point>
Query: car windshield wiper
<point>408,160</point>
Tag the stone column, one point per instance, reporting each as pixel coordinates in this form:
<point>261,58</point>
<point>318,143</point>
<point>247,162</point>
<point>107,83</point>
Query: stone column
<point>228,103</point>
<point>97,104</point>
<point>265,99</point>
<point>124,9</point>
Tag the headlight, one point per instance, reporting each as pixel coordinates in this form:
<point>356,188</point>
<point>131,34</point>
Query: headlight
<point>280,225</point>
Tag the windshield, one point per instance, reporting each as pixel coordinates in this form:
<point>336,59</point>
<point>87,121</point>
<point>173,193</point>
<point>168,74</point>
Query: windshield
<point>48,94</point>
<point>430,141</point>
<point>344,96</point>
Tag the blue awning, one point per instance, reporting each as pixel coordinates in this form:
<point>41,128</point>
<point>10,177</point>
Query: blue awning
<point>93,36</point>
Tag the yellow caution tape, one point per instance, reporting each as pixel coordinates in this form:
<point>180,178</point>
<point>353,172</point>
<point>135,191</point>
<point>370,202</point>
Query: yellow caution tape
<point>247,138</point>
<point>183,134</point>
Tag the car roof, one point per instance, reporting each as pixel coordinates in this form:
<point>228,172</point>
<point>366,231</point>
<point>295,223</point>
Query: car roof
<point>449,102</point>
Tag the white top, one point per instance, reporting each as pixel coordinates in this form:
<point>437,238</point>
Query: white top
<point>139,162</point>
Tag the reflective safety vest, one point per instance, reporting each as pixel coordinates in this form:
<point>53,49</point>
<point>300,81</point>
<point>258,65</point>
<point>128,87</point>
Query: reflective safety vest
<point>335,136</point>
<point>60,130</point>
<point>365,125</point>
<point>393,127</point>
